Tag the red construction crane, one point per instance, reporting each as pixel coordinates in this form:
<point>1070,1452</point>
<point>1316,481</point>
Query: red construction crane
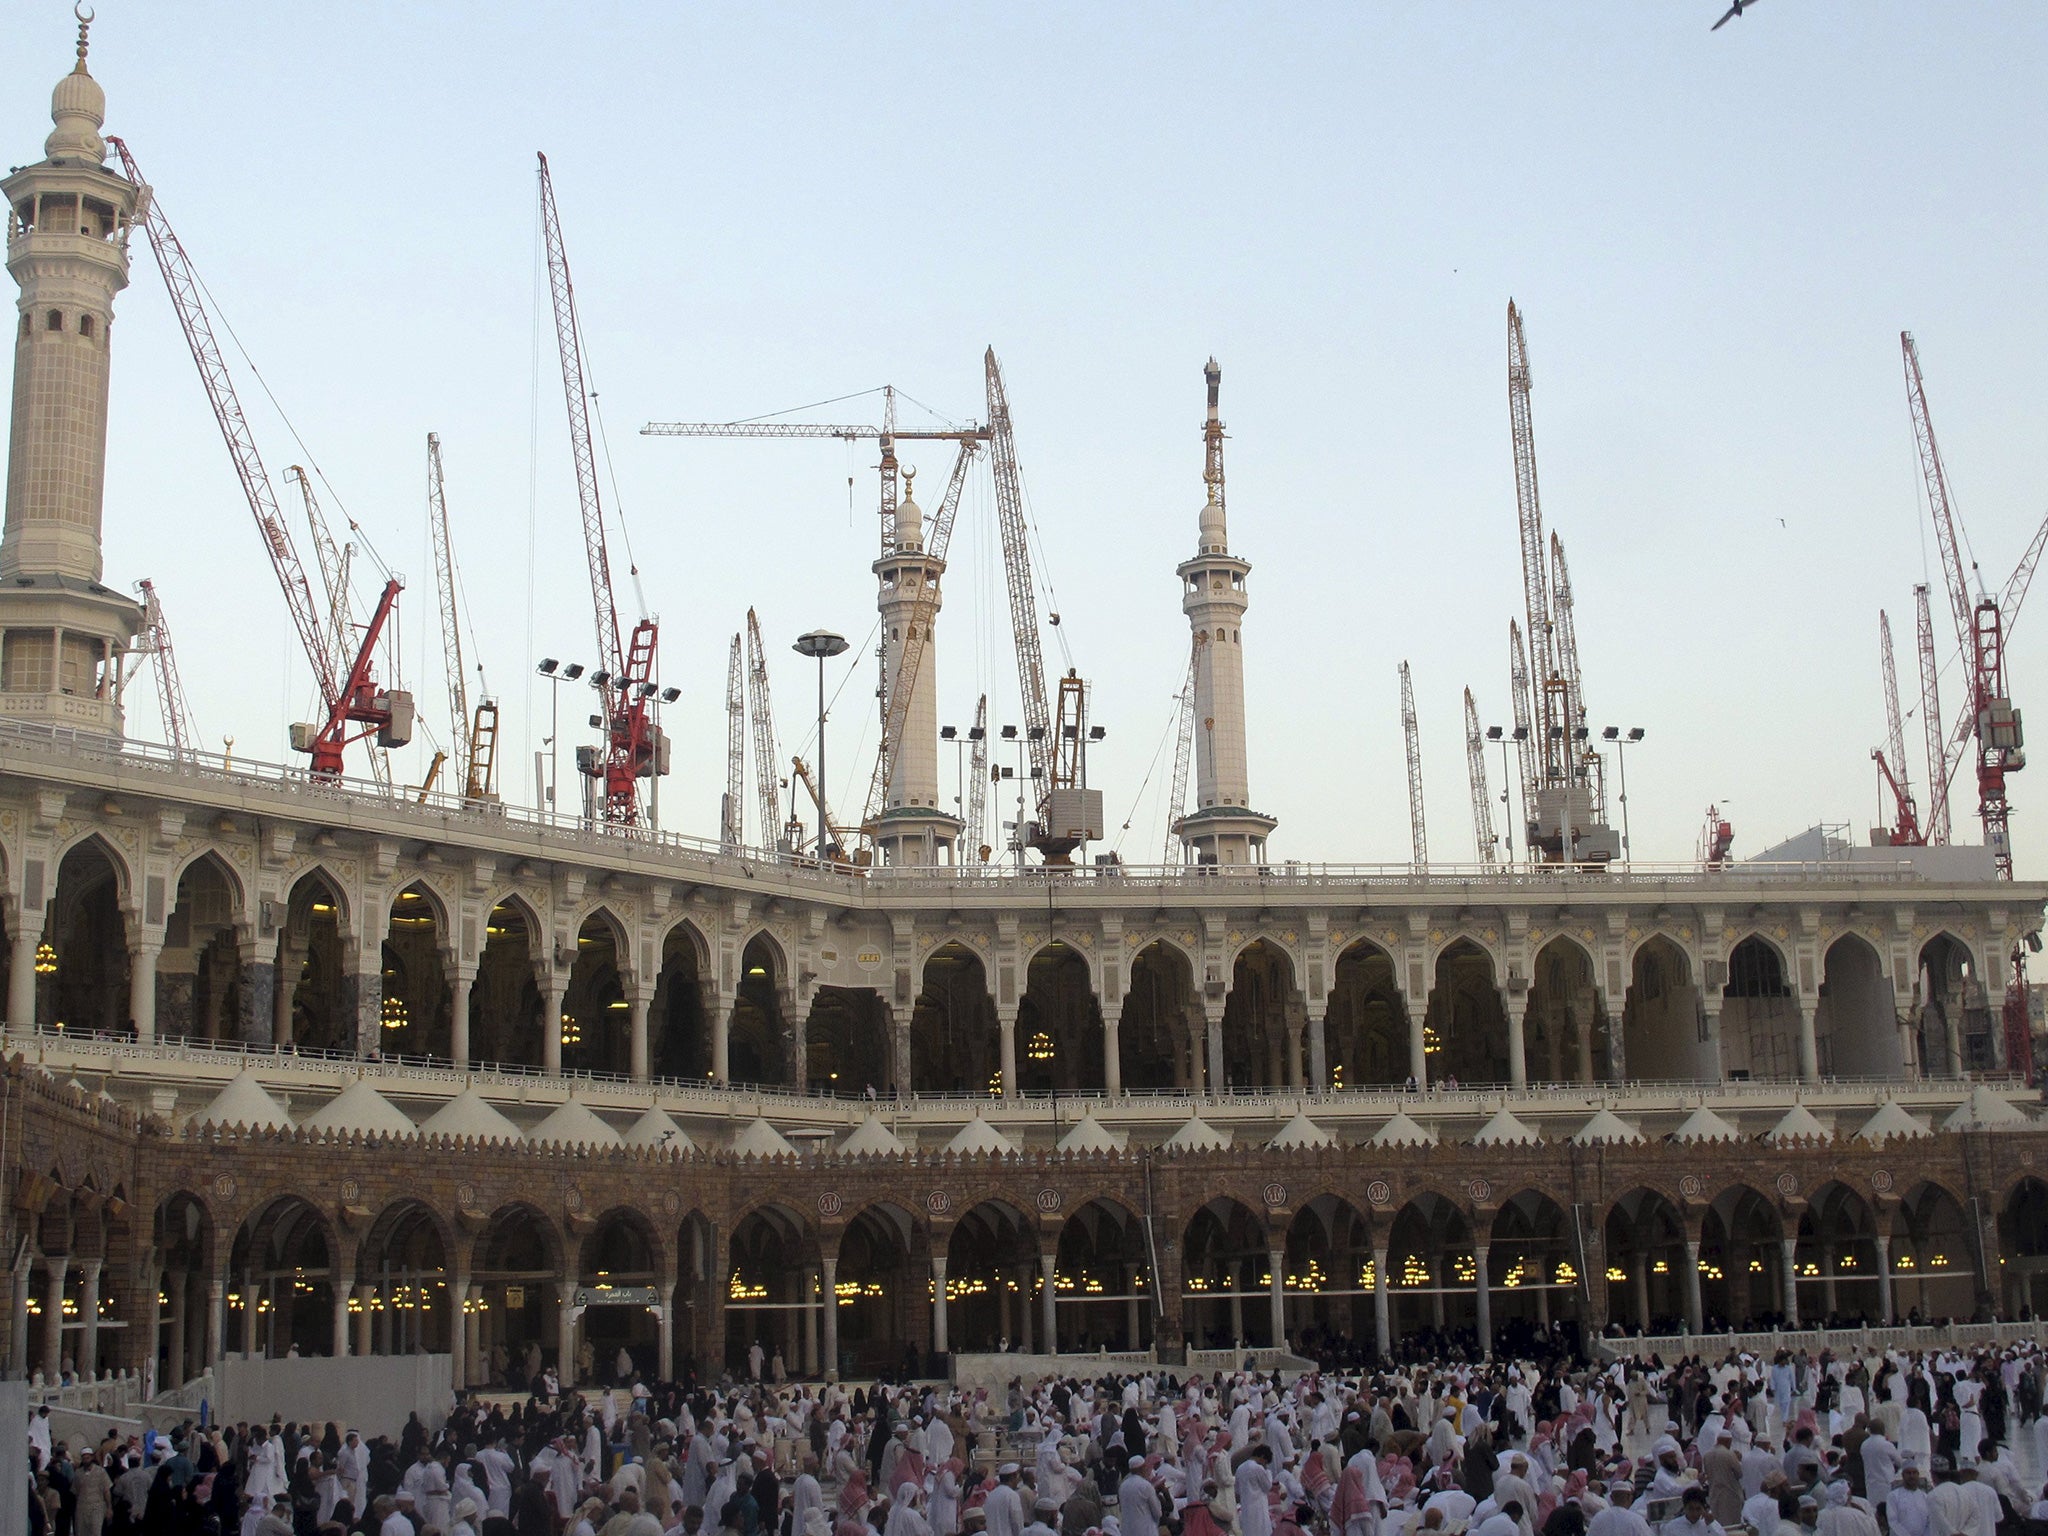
<point>350,699</point>
<point>633,748</point>
<point>1891,758</point>
<point>1981,626</point>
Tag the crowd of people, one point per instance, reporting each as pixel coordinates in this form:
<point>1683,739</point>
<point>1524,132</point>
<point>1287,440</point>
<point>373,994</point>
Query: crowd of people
<point>1909,1444</point>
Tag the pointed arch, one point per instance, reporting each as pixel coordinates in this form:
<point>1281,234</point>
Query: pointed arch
<point>1159,1034</point>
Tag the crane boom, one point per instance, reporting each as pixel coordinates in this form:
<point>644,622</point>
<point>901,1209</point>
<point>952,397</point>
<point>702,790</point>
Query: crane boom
<point>1891,759</point>
<point>977,784</point>
<point>1550,748</point>
<point>1418,834</point>
<point>766,756</point>
<point>899,689</point>
<point>731,816</point>
<point>1017,567</point>
<point>631,749</point>
<point>1939,506</point>
<point>183,283</point>
<point>1937,828</point>
<point>1183,755</point>
<point>451,632</point>
<point>1482,797</point>
<point>1525,730</point>
<point>333,561</point>
<point>154,640</point>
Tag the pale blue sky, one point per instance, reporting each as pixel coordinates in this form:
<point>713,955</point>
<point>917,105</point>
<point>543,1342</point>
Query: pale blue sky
<point>1716,240</point>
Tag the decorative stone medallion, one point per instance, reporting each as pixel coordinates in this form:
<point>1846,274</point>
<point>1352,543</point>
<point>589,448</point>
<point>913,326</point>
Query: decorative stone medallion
<point>1379,1192</point>
<point>351,1191</point>
<point>1049,1200</point>
<point>830,1205</point>
<point>1275,1195</point>
<point>1479,1189</point>
<point>1691,1186</point>
<point>938,1202</point>
<point>1787,1184</point>
<point>224,1186</point>
<point>573,1198</point>
<point>672,1203</point>
<point>465,1197</point>
<point>1880,1179</point>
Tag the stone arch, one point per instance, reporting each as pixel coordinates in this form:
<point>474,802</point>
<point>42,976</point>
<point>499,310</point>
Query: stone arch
<point>991,1261</point>
<point>1742,1259</point>
<point>2023,1243</point>
<point>315,984</point>
<point>199,974</point>
<point>953,1042</point>
<point>622,1248</point>
<point>883,1273</point>
<point>1533,1277</point>
<point>402,1304</point>
<point>1856,1023</point>
<point>516,1270</point>
<point>680,1029</point>
<point>759,1038</point>
<point>1934,1255</point>
<point>283,1269</point>
<point>82,959</point>
<point>1327,1279</point>
<point>848,1044</point>
<point>416,1001</point>
<point>596,1018</point>
<point>1953,1019</point>
<point>1366,1023</point>
<point>1566,1033</point>
<point>1644,1244</point>
<point>1059,1023</point>
<point>1760,1023</point>
<point>771,1283</point>
<point>1465,1031</point>
<point>1661,1021</point>
<point>505,999</point>
<point>1225,1276</point>
<point>1432,1275</point>
<point>1264,1018</point>
<point>187,1239</point>
<point>1160,1031</point>
<point>1836,1260</point>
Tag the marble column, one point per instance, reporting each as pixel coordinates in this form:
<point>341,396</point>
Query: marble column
<point>1047,1299</point>
<point>1219,1079</point>
<point>551,994</point>
<point>1418,1048</point>
<point>54,1266</point>
<point>89,1320</point>
<point>1276,1296</point>
<point>291,963</point>
<point>829,1269</point>
<point>458,1329</point>
<point>340,1333</point>
<point>366,1304</point>
<point>461,983</point>
<point>939,1335</point>
<point>180,1289</point>
<point>1809,1045</point>
<point>1790,1248</point>
<point>1695,1310</point>
<point>721,1041</point>
<point>142,955</point>
<point>813,1305</point>
<point>1516,1005</point>
<point>1319,1052</point>
<point>26,924</point>
<point>1382,1319</point>
<point>248,1294</point>
<point>17,1330</point>
<point>1112,1054</point>
<point>1006,1037</point>
<point>565,1336</point>
<point>637,1005</point>
<point>1884,1279</point>
<point>1482,1296</point>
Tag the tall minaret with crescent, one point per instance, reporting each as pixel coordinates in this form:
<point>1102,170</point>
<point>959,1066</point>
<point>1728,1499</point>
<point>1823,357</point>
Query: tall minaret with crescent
<point>62,633</point>
<point>1222,828</point>
<point>911,828</point>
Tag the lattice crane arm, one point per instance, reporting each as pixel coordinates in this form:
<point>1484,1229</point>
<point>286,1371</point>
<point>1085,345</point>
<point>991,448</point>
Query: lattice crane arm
<point>1175,851</point>
<point>1547,749</point>
<point>1938,766</point>
<point>1525,728</point>
<point>183,283</point>
<point>767,787</point>
<point>1891,760</point>
<point>1939,504</point>
<point>731,813</point>
<point>976,833</point>
<point>1009,488</point>
<point>451,629</point>
<point>155,641</point>
<point>1482,797</point>
<point>1418,833</point>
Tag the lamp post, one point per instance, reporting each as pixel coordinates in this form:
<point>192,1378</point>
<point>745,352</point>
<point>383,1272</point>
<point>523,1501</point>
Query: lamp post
<point>556,674</point>
<point>821,643</point>
<point>1622,742</point>
<point>1519,735</point>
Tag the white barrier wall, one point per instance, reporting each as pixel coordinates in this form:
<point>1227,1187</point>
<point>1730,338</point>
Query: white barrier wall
<point>372,1393</point>
<point>14,1458</point>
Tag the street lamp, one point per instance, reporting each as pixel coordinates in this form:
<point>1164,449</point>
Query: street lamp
<point>1519,735</point>
<point>556,674</point>
<point>1622,743</point>
<point>822,644</point>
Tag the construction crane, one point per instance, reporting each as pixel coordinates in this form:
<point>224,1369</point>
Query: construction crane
<point>833,844</point>
<point>1588,766</point>
<point>633,747</point>
<point>766,756</point>
<point>731,818</point>
<point>975,834</point>
<point>334,562</point>
<point>1183,756</point>
<point>1525,728</point>
<point>1716,838</point>
<point>1482,797</point>
<point>476,735</point>
<point>349,695</point>
<point>1417,832</point>
<point>153,641</point>
<point>1937,826</point>
<point>897,691</point>
<point>1068,812</point>
<point>1904,831</point>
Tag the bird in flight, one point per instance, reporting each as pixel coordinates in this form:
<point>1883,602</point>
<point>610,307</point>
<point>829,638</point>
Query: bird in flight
<point>1735,9</point>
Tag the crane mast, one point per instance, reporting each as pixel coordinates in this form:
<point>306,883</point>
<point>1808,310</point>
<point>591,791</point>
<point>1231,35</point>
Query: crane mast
<point>451,632</point>
<point>1550,708</point>
<point>348,695</point>
<point>1183,755</point>
<point>975,841</point>
<point>766,756</point>
<point>1418,834</point>
<point>1525,728</point>
<point>632,749</point>
<point>1937,828</point>
<point>1482,797</point>
<point>1891,758</point>
<point>1586,764</point>
<point>731,816</point>
<point>154,641</point>
<point>333,561</point>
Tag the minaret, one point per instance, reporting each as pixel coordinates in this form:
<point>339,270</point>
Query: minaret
<point>61,632</point>
<point>911,828</point>
<point>1222,828</point>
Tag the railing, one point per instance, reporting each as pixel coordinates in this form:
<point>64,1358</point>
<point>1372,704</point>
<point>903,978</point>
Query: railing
<point>440,806</point>
<point>1895,1336</point>
<point>115,1395</point>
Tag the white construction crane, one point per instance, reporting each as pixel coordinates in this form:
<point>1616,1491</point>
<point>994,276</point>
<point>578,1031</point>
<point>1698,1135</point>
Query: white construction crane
<point>476,734</point>
<point>153,640</point>
<point>974,843</point>
<point>1482,797</point>
<point>1418,834</point>
<point>731,817</point>
<point>766,786</point>
<point>1183,755</point>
